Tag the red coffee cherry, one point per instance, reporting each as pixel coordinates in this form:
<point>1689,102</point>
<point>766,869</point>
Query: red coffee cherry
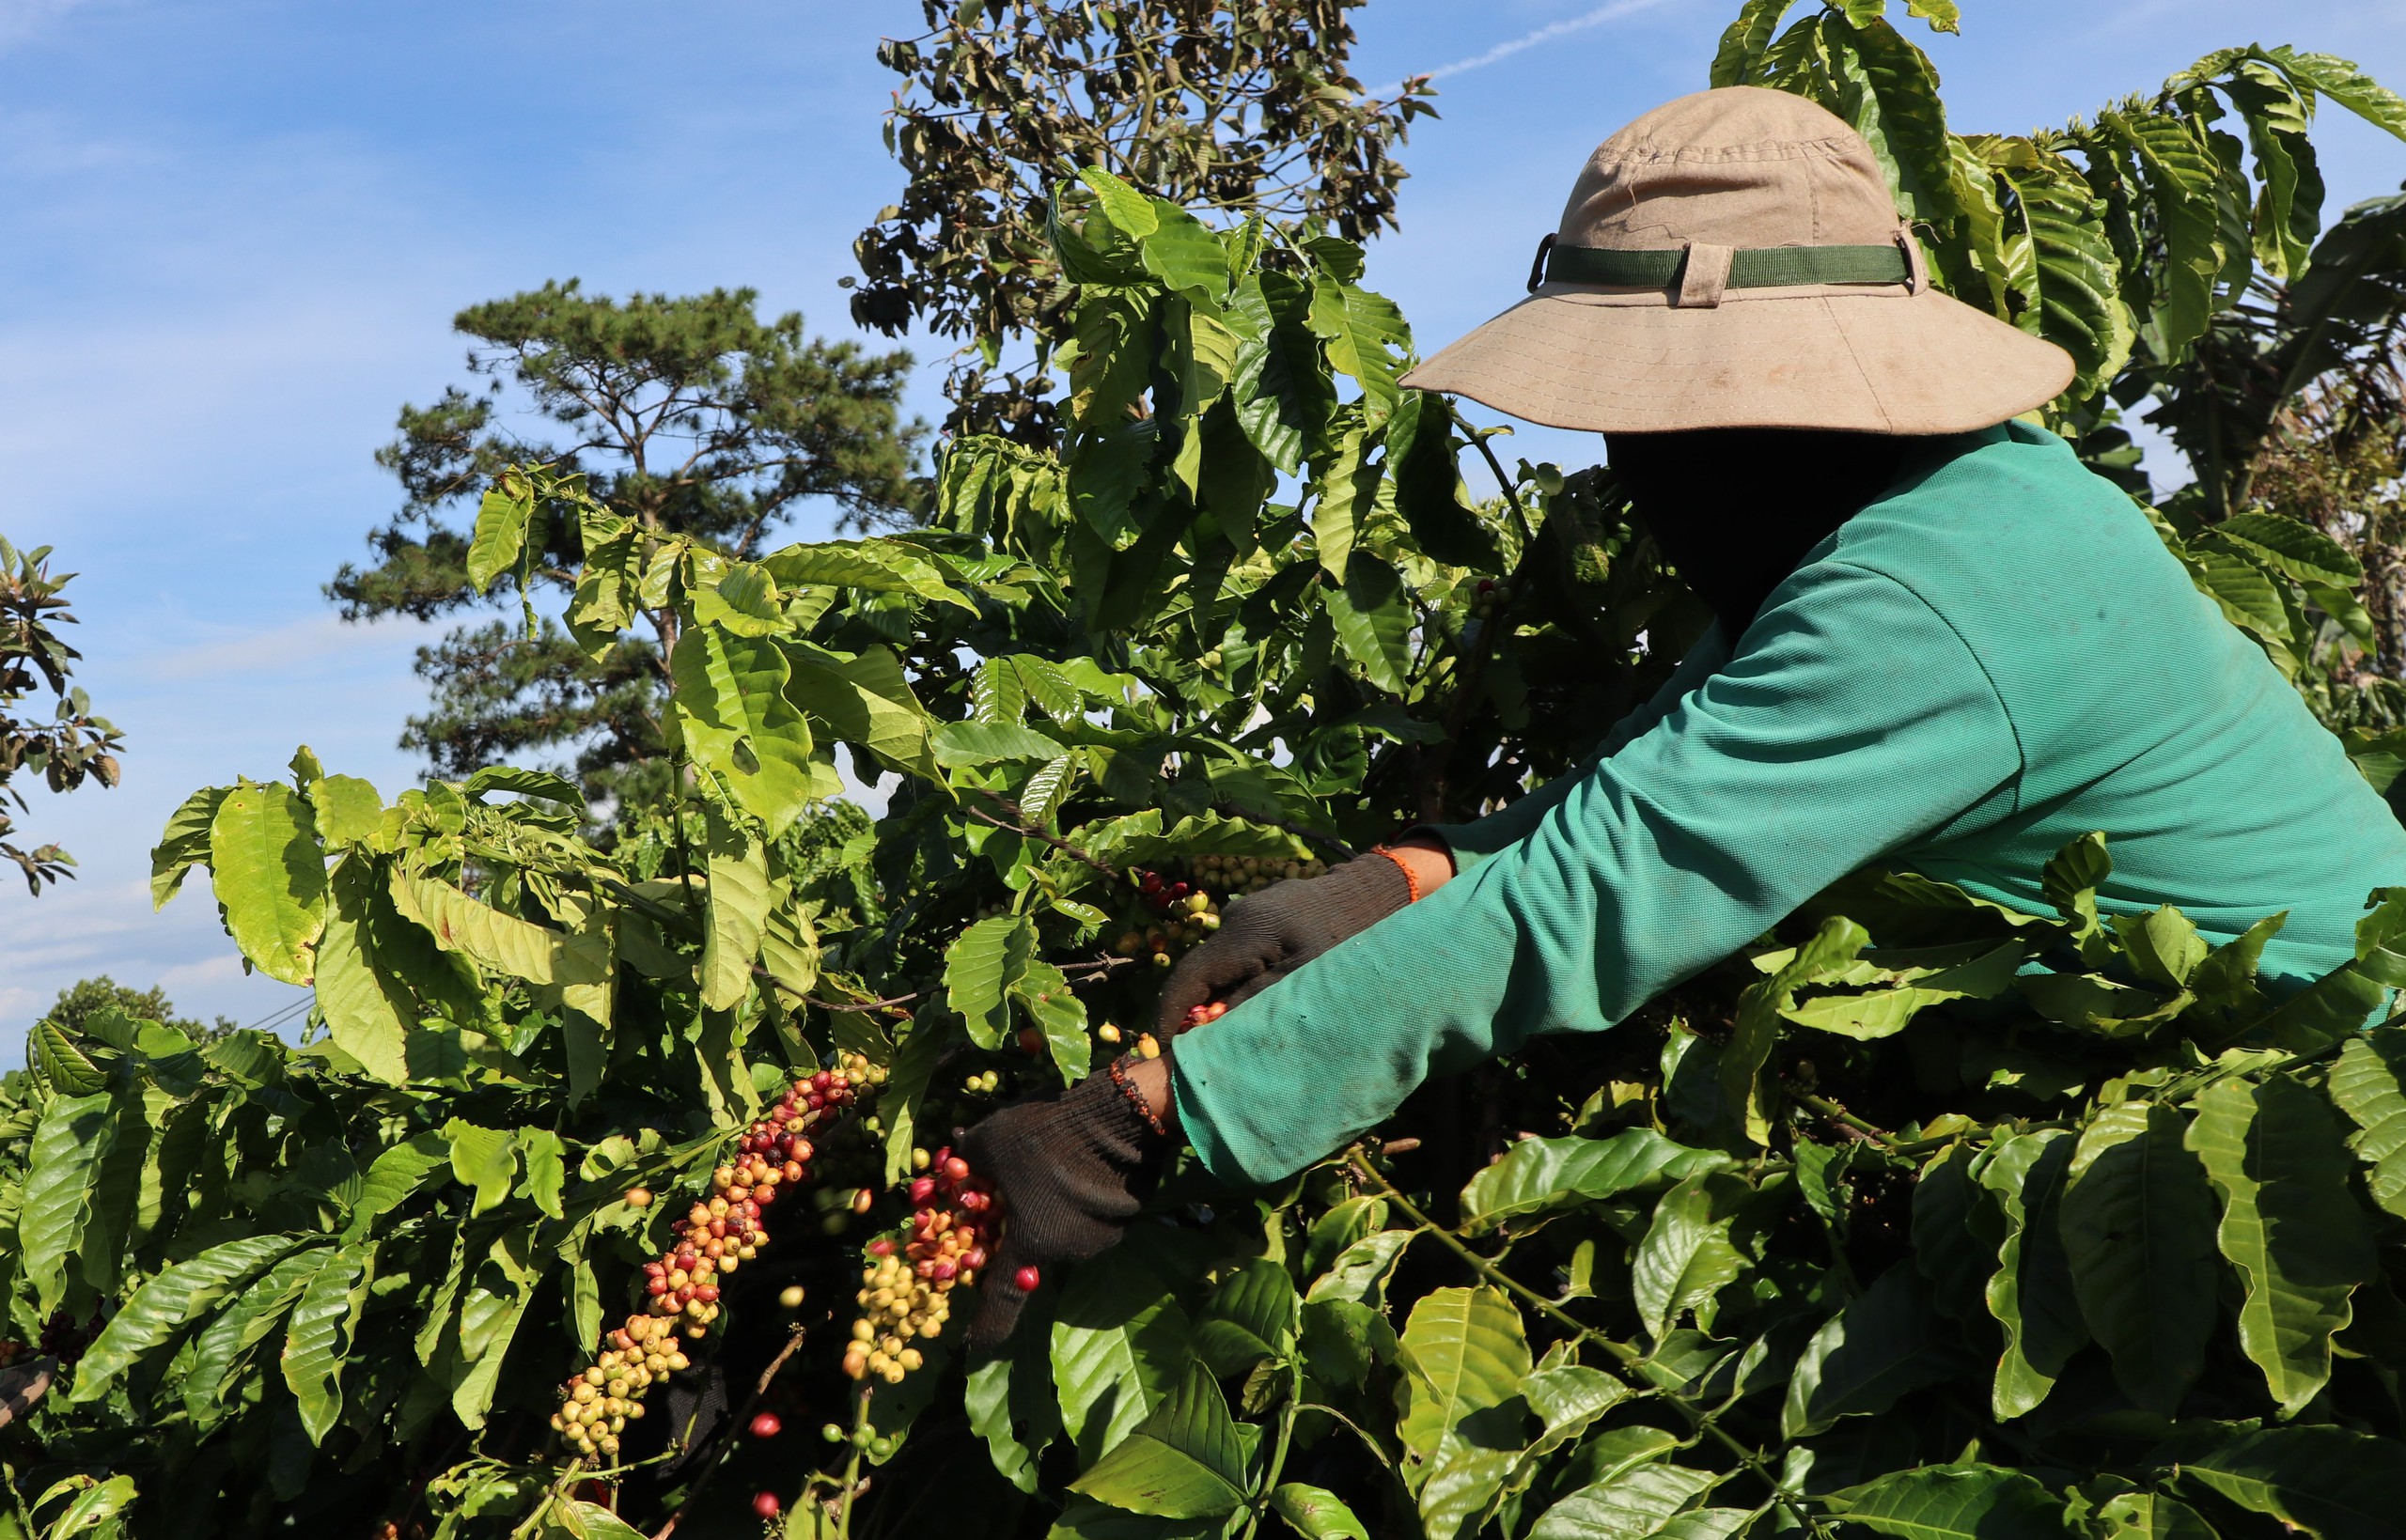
<point>1028,1278</point>
<point>767,1426</point>
<point>766,1504</point>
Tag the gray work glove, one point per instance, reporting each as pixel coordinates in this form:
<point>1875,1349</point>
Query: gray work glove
<point>1270,934</point>
<point>1071,1170</point>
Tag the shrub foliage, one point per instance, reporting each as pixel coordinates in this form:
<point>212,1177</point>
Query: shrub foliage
<point>1876,1230</point>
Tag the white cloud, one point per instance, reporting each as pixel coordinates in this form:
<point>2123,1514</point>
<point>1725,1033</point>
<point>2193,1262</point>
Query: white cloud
<point>312,643</point>
<point>21,19</point>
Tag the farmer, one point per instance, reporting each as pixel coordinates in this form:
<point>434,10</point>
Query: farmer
<point>1940,643</point>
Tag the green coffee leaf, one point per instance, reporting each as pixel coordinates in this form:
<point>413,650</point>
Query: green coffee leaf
<point>1373,620</point>
<point>70,1145</point>
<point>1889,91</point>
<point>368,1011</point>
<point>585,1520</point>
<point>2347,85</point>
<point>738,912</point>
<point>1905,984</point>
<point>1888,1343</point>
<point>501,943</point>
<point>1359,329</point>
<point>541,786</point>
<point>1537,1176</point>
<point>159,1309</point>
<point>2330,1481</point>
<point>2288,1225</point>
<point>1283,392</point>
<point>1182,1461</point>
<point>546,1160</point>
<point>1569,1398</point>
<point>2368,1083</point>
<point>1746,40</point>
<point>1686,1255</point>
<point>184,844</point>
<point>212,1366</point>
<point>1348,489</point>
<point>876,566</point>
<point>730,705</point>
<point>2138,1232</point>
<point>1252,1316</point>
<point>1315,1514</point>
<point>2031,1294</point>
<point>1182,251</point>
<point>864,700</point>
<point>70,1070</point>
<point>1119,1337</point>
<point>1639,1502</point>
<point>980,968</point>
<point>969,745</point>
<point>394,1177</point>
<point>484,1160</point>
<point>1955,1502</point>
<point>502,520</point>
<point>1044,994</point>
<point>2075,277</point>
<point>1466,1352</point>
<point>2295,548</point>
<point>1830,954</point>
<point>1465,1476</point>
<point>92,1511</point>
<point>1360,1271</point>
<point>1010,1401</point>
<point>271,877</point>
<point>2149,1516</point>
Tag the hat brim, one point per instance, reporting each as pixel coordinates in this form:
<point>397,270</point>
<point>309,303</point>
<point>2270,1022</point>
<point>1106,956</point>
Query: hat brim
<point>1873,359</point>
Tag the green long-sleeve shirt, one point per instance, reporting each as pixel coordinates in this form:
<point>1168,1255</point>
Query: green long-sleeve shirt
<point>1994,659</point>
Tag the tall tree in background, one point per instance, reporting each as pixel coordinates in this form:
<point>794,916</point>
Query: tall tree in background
<point>69,744</point>
<point>691,415</point>
<point>1239,106</point>
<point>82,1002</point>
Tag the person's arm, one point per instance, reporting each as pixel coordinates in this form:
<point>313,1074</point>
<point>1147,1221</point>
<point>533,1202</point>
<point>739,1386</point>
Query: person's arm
<point>1280,929</point>
<point>1472,843</point>
<point>1855,722</point>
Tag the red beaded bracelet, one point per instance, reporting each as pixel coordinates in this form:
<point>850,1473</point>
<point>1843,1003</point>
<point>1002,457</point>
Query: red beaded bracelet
<point>1118,1072</point>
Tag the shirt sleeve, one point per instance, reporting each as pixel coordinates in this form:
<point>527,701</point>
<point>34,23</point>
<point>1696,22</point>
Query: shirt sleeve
<point>1472,843</point>
<point>1852,721</point>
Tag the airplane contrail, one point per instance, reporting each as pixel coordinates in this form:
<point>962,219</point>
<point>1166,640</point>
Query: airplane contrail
<point>1596,17</point>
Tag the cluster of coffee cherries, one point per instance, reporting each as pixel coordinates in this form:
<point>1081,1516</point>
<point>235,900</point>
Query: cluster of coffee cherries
<point>1237,875</point>
<point>907,1285</point>
<point>1177,914</point>
<point>61,1339</point>
<point>1146,1046</point>
<point>1489,596</point>
<point>717,1236</point>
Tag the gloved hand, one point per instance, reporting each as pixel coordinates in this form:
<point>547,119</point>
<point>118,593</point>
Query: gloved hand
<point>1270,934</point>
<point>1072,1169</point>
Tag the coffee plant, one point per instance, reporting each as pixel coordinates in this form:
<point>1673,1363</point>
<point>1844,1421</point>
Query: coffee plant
<point>1922,1218</point>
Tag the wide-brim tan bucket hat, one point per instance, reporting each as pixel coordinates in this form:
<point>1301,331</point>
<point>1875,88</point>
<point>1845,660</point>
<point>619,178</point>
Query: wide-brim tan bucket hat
<point>1734,259</point>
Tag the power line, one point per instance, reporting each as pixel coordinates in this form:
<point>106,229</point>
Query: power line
<point>276,1019</point>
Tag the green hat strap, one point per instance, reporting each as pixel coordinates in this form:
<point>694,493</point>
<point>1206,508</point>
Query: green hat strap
<point>1764,267</point>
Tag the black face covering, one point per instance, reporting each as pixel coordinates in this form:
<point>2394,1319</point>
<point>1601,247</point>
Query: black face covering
<point>1735,509</point>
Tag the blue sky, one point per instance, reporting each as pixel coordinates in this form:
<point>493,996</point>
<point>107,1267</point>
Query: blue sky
<point>235,232</point>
